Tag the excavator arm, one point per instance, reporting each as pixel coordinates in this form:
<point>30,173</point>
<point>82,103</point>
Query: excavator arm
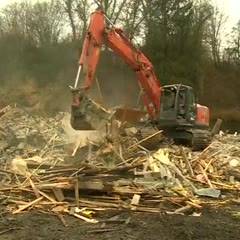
<point>119,43</point>
<point>98,34</point>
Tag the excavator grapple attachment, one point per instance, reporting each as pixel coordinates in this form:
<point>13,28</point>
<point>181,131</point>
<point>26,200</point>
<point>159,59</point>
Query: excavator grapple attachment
<point>87,114</point>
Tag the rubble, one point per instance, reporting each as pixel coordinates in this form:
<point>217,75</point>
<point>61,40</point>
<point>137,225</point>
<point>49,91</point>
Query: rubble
<point>46,166</point>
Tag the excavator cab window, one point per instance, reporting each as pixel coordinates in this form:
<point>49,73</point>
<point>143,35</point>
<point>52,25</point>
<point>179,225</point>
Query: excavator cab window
<point>186,104</point>
<point>182,104</point>
<point>168,103</point>
<point>168,99</point>
<point>191,105</point>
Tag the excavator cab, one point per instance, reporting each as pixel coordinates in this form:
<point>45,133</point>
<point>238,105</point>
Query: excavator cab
<point>177,106</point>
<point>182,118</point>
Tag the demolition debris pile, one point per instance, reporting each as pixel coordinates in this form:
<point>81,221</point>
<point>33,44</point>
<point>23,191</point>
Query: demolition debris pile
<point>42,168</point>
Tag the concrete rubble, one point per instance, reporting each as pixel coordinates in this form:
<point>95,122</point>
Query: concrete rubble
<point>45,158</point>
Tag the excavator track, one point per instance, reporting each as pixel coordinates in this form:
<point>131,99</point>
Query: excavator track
<point>200,139</point>
<point>196,139</point>
<point>151,143</point>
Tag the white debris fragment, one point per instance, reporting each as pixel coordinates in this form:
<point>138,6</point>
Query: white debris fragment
<point>234,163</point>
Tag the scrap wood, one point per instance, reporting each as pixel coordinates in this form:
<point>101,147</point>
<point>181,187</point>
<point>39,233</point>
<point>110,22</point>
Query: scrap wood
<point>103,230</point>
<point>7,230</point>
<point>193,204</point>
<point>47,196</point>
<point>4,110</point>
<point>122,181</point>
<point>236,201</point>
<point>77,144</point>
<point>119,155</point>
<point>226,186</point>
<point>76,188</point>
<point>205,176</point>
<point>183,209</point>
<point>28,205</point>
<point>202,154</point>
<point>135,201</point>
<point>62,219</point>
<point>50,186</point>
<point>216,127</point>
<point>187,162</point>
<point>81,217</point>
<point>143,140</point>
<point>209,164</point>
<point>58,194</point>
<point>36,192</point>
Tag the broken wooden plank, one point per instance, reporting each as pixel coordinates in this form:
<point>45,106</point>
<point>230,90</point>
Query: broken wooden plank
<point>205,176</point>
<point>36,201</point>
<point>135,199</point>
<point>81,217</point>
<point>58,194</point>
<point>47,197</point>
<point>36,192</point>
<point>216,127</point>
<point>188,164</point>
<point>76,187</point>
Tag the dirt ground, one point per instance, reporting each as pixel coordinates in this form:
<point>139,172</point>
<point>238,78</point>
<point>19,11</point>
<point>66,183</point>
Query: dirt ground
<point>217,224</point>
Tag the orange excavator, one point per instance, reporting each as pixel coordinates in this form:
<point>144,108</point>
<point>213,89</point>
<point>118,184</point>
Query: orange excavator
<point>171,108</point>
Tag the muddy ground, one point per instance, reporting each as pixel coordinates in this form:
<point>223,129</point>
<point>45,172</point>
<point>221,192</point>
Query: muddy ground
<point>214,223</point>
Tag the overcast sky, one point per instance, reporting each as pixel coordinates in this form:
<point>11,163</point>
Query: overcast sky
<point>229,7</point>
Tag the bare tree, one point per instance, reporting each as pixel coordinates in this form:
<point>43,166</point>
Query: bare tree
<point>15,18</point>
<point>127,13</point>
<point>42,23</point>
<point>233,50</point>
<point>215,33</point>
<point>47,22</point>
<point>70,13</point>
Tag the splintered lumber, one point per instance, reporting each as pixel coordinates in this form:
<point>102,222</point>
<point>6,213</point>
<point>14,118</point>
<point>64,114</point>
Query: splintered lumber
<point>117,174</point>
<point>102,230</point>
<point>183,209</point>
<point>58,194</point>
<point>194,205</point>
<point>47,197</point>
<point>36,201</point>
<point>216,127</point>
<point>62,219</point>
<point>135,199</point>
<point>188,164</point>
<point>76,188</point>
<point>48,186</point>
<point>205,175</point>
<point>90,185</point>
<point>34,188</point>
<point>6,230</point>
<point>71,212</point>
<point>125,168</point>
<point>145,139</point>
<point>4,110</point>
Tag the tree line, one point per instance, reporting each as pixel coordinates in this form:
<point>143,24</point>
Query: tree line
<point>41,42</point>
